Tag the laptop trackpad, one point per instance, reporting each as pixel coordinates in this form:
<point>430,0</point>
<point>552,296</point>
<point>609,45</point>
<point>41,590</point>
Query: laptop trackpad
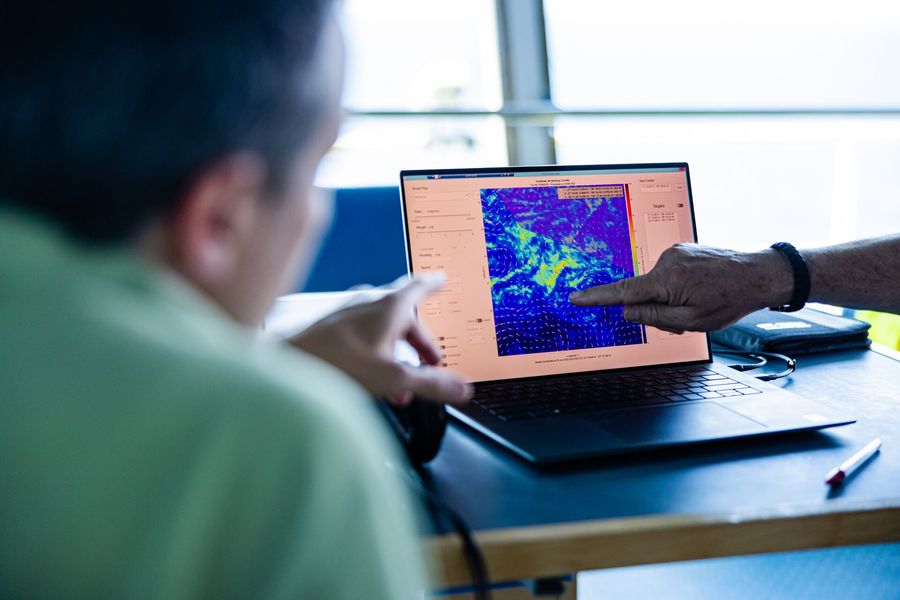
<point>684,422</point>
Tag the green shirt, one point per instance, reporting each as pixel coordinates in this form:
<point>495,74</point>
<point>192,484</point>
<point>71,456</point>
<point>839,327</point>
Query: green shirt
<point>151,448</point>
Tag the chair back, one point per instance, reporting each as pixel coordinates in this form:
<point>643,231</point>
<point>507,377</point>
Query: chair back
<point>365,244</point>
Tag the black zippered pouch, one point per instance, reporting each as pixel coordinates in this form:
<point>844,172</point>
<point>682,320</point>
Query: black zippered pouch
<point>806,331</point>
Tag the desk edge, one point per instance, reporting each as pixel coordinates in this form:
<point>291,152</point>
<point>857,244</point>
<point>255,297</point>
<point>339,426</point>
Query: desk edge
<point>548,550</point>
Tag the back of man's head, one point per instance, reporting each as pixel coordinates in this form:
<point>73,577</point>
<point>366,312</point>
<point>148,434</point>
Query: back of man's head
<point>107,109</point>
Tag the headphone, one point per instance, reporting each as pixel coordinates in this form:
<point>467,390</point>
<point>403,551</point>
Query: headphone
<point>420,427</point>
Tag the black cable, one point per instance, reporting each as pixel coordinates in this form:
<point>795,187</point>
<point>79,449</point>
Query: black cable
<point>471,549</point>
<point>762,359</point>
<point>790,365</point>
<point>761,362</point>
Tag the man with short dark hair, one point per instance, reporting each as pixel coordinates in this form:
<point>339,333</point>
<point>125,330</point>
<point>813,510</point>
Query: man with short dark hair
<point>155,196</point>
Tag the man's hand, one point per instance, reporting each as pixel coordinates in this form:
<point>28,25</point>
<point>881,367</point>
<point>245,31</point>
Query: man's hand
<point>697,288</point>
<point>360,340</point>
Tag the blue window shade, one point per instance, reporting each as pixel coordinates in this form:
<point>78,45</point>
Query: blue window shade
<point>365,244</point>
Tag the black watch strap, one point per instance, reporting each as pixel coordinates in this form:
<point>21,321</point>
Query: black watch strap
<point>801,277</point>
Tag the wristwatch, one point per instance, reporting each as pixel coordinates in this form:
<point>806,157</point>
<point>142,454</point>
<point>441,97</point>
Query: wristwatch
<point>801,277</point>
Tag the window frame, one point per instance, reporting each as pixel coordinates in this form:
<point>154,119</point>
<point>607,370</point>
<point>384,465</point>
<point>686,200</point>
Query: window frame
<point>528,111</point>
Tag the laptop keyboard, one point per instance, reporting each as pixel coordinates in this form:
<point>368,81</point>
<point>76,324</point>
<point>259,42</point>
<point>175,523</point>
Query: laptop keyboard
<point>546,398</point>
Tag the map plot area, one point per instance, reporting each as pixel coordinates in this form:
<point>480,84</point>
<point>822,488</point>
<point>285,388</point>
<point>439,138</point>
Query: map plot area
<point>544,243</point>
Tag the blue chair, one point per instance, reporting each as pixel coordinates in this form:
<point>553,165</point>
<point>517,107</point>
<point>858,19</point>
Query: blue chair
<point>365,244</point>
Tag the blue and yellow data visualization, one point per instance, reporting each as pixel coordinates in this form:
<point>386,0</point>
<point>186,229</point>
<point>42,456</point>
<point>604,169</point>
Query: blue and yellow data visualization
<point>540,248</point>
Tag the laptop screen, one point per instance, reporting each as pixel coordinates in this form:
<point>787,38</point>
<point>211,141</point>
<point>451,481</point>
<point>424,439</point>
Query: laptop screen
<point>514,242</point>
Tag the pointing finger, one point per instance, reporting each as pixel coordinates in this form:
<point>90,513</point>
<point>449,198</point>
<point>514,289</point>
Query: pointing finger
<point>418,288</point>
<point>634,290</point>
<point>421,342</point>
<point>438,385</point>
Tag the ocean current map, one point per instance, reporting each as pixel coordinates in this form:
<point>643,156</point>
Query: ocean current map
<point>544,243</point>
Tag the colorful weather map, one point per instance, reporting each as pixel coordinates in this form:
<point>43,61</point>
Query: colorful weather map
<point>544,243</point>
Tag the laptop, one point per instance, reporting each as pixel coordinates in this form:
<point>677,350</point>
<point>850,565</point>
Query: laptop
<point>557,382</point>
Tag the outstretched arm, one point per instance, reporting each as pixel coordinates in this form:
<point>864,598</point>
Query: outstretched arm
<point>699,288</point>
<point>862,274</point>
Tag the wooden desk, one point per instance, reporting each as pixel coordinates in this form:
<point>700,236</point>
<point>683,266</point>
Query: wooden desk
<point>721,499</point>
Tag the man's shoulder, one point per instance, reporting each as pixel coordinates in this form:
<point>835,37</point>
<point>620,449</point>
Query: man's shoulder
<point>178,381</point>
<point>165,353</point>
<point>271,380</point>
<point>230,372</point>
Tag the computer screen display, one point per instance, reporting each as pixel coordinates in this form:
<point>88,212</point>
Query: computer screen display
<point>515,242</point>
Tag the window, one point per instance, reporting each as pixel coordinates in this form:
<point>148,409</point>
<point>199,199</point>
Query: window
<point>372,150</point>
<point>700,54</point>
<point>758,179</point>
<point>406,57</point>
<point>413,55</point>
<point>788,112</point>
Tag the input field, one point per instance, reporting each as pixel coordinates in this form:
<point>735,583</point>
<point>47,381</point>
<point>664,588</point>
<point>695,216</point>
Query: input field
<point>440,196</point>
<point>651,188</point>
<point>448,290</point>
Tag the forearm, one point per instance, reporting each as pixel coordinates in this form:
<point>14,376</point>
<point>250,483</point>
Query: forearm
<point>860,274</point>
<point>700,288</point>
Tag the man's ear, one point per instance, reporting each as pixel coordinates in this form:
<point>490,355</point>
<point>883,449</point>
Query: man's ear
<point>215,218</point>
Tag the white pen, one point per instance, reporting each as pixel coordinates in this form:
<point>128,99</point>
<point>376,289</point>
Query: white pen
<point>837,475</point>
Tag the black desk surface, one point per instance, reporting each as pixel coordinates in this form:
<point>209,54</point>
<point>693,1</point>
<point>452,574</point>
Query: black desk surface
<point>494,489</point>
